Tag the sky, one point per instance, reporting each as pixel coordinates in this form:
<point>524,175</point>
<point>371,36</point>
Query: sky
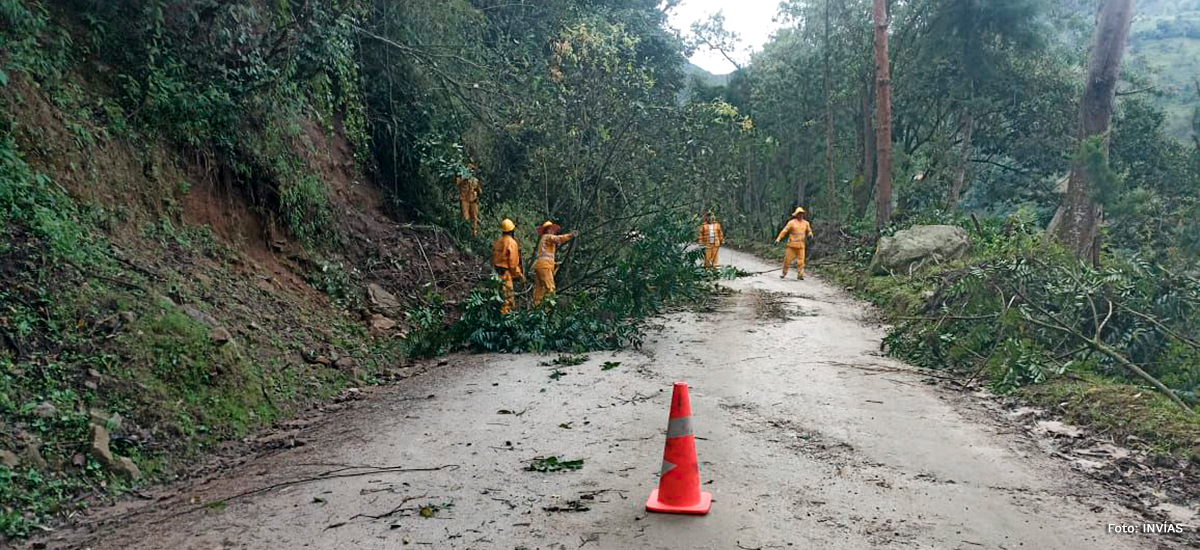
<point>749,18</point>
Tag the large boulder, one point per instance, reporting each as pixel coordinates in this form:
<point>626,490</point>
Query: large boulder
<point>919,244</point>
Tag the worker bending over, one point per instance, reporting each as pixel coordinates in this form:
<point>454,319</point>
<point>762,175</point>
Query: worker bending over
<point>546,263</point>
<point>797,232</point>
<point>469,190</point>
<point>711,238</point>
<point>506,258</point>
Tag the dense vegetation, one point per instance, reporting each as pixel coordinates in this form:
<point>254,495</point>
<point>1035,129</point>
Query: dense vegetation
<point>986,116</point>
<point>123,122</point>
<point>178,176</point>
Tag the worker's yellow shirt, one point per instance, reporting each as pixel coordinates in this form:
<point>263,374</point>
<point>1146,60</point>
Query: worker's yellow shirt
<point>711,234</point>
<point>796,231</point>
<point>468,189</point>
<point>548,248</point>
<point>506,254</point>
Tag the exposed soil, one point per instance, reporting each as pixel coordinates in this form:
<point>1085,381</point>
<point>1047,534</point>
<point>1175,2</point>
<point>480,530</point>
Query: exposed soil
<point>807,438</point>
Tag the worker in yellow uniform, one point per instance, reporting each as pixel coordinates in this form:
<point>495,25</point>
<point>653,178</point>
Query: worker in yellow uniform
<point>797,232</point>
<point>546,264</point>
<point>506,258</point>
<point>469,190</point>
<point>711,238</point>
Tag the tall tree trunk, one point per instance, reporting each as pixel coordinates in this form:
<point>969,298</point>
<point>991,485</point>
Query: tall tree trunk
<point>862,193</point>
<point>960,171</point>
<point>883,120</point>
<point>1079,216</point>
<point>801,186</point>
<point>830,188</point>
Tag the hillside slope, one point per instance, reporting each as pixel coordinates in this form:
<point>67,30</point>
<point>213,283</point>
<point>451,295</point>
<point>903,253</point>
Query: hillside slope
<point>1165,49</point>
<point>161,293</point>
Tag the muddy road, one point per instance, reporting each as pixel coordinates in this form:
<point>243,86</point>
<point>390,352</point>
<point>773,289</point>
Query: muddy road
<point>808,438</point>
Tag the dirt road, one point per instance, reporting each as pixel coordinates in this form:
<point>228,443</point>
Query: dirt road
<point>808,439</point>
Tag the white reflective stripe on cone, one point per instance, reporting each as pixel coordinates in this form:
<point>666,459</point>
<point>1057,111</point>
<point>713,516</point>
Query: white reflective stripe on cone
<point>679,427</point>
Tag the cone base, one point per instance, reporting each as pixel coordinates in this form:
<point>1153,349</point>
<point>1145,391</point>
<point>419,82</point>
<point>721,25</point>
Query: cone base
<point>700,508</point>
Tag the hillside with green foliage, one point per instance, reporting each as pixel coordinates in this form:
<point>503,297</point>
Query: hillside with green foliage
<point>214,215</point>
<point>218,214</point>
<point>1164,49</point>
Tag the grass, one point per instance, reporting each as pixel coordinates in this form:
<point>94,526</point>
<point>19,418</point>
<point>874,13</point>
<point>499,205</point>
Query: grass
<point>1121,411</point>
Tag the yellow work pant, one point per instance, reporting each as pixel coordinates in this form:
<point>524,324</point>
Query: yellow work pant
<point>793,254</point>
<point>506,279</point>
<point>470,212</point>
<point>710,256</point>
<point>543,281</point>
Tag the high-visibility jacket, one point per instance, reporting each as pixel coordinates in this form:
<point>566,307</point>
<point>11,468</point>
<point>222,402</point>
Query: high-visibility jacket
<point>548,248</point>
<point>506,256</point>
<point>797,231</point>
<point>468,188</point>
<point>711,234</point>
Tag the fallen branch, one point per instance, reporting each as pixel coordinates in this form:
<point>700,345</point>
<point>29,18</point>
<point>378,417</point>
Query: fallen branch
<point>280,485</point>
<point>1098,345</point>
<point>399,508</point>
<point>1167,330</point>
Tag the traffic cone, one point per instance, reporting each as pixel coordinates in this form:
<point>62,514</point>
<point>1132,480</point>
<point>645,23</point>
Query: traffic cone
<point>678,489</point>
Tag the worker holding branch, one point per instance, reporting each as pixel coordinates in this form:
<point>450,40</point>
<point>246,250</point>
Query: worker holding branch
<point>546,264</point>
<point>797,231</point>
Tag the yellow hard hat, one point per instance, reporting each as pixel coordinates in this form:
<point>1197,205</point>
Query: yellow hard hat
<point>547,225</point>
<point>507,225</point>
<point>799,210</point>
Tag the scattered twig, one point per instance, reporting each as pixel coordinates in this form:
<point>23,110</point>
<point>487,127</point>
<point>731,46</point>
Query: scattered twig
<point>244,494</point>
<point>432,275</point>
<point>399,508</point>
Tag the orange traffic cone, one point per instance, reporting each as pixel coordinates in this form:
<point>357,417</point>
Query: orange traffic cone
<point>678,489</point>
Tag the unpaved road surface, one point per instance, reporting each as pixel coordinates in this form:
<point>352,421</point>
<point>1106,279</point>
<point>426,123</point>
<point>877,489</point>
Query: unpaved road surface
<point>808,439</point>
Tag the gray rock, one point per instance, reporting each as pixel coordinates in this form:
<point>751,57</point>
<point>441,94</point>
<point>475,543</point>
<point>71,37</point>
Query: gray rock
<point>117,464</point>
<point>45,410</point>
<point>382,323</point>
<point>109,421</point>
<point>99,448</point>
<point>381,298</point>
<point>199,316</point>
<point>919,244</point>
<point>126,467</point>
<point>346,364</point>
<point>32,455</point>
<point>220,336</point>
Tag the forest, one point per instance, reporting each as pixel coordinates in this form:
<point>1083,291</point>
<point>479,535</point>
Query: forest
<point>199,199</point>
